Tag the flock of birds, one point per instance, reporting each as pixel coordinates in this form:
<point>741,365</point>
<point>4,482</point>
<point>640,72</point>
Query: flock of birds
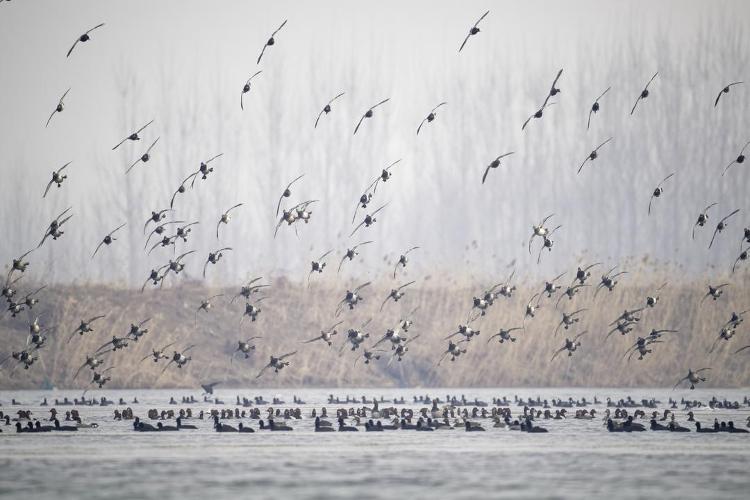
<point>164,230</point>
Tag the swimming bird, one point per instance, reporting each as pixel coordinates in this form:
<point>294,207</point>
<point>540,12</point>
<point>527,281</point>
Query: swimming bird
<point>739,160</point>
<point>145,157</point>
<point>504,335</point>
<point>53,230</point>
<point>539,230</point>
<point>317,265</point>
<point>326,109</point>
<point>271,41</point>
<point>351,253</point>
<point>86,326</point>
<point>351,298</point>
<point>537,114</point>
<point>277,363</point>
<point>108,239</point>
<point>57,178</point>
<point>83,38</point>
<point>494,164</point>
<point>181,426</point>
<point>396,294</point>
<point>246,88</point>
<point>725,90</point>
<point>325,335</point>
<point>58,109</point>
<point>721,226</point>
<point>658,191</point>
<point>134,136</point>
<point>214,257</point>
<point>245,347</point>
<point>368,114</point>
<point>692,377</point>
<point>369,219</point>
<point>714,292</point>
<point>473,31</point>
<point>702,218</point>
<point>595,107</point>
<point>430,117</point>
<point>593,155</point>
<point>644,93</point>
<point>570,345</point>
<point>287,193</point>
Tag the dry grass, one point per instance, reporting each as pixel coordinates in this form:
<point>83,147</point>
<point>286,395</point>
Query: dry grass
<point>293,313</point>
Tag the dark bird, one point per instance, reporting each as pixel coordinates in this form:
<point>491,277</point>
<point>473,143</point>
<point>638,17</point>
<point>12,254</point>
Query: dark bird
<point>702,218</point>
<point>403,259</point>
<point>318,265</point>
<point>368,113</point>
<point>396,294</point>
<point>593,155</point>
<point>54,227</point>
<point>83,38</point>
<point>537,114</point>
<point>134,136</point>
<point>725,90</point>
<point>714,292</point>
<point>145,157</point>
<point>271,41</point>
<point>571,345</point>
<point>658,191</point>
<point>287,193</point>
<point>644,93</point>
<point>595,107</point>
<point>57,178</point>
<point>692,377</point>
<point>327,108</point>
<point>204,169</point>
<point>351,253</point>
<point>369,219</point>
<point>739,160</point>
<point>246,89</point>
<point>473,31</point>
<point>277,363</point>
<point>182,188</point>
<point>430,117</point>
<point>553,91</point>
<point>108,239</point>
<point>214,257</point>
<point>225,218</point>
<point>58,109</point>
<point>209,388</point>
<point>721,226</point>
<point>85,327</point>
<point>494,164</point>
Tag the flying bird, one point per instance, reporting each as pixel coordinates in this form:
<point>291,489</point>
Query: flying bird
<point>593,155</point>
<point>473,31</point>
<point>83,38</point>
<point>286,193</point>
<point>725,90</point>
<point>225,218</point>
<point>277,363</point>
<point>214,257</point>
<point>702,218</point>
<point>57,178</point>
<point>658,191</point>
<point>58,109</point>
<point>403,259</point>
<point>145,157</point>
<point>494,164</point>
<point>327,108</point>
<point>595,107</point>
<point>644,93</point>
<point>246,89</point>
<point>692,377</point>
<point>537,114</point>
<point>553,91</point>
<point>396,294</point>
<point>368,114</point>
<point>721,226</point>
<point>739,160</point>
<point>108,239</point>
<point>271,41</point>
<point>134,136</point>
<point>430,117</point>
<point>369,219</point>
<point>351,253</point>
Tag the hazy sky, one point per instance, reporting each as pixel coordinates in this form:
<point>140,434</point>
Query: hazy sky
<point>183,64</point>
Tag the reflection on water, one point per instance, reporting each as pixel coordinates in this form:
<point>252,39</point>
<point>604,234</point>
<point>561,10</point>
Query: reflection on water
<point>577,458</point>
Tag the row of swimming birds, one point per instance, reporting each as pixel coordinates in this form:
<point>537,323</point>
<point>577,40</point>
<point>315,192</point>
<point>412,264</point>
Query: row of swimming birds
<point>425,414</point>
<point>300,212</point>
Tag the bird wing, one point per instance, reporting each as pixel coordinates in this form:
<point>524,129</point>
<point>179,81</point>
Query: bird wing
<point>279,28</point>
<point>213,158</point>
<point>636,104</point>
<point>152,145</point>
<point>254,75</point>
<point>358,124</point>
<point>381,102</point>
<point>651,80</point>
<point>356,228</point>
<point>73,47</point>
<point>97,248</point>
<point>486,171</point>
<point>464,42</point>
<point>95,27</point>
<point>360,287</point>
<point>480,19</point>
<point>50,118</point>
<point>258,62</point>
<point>318,118</point>
<point>420,125</point>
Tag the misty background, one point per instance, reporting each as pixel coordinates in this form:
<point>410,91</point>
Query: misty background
<point>183,64</point>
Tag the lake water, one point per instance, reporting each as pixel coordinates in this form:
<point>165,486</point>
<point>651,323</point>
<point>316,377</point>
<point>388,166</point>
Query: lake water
<point>576,459</point>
